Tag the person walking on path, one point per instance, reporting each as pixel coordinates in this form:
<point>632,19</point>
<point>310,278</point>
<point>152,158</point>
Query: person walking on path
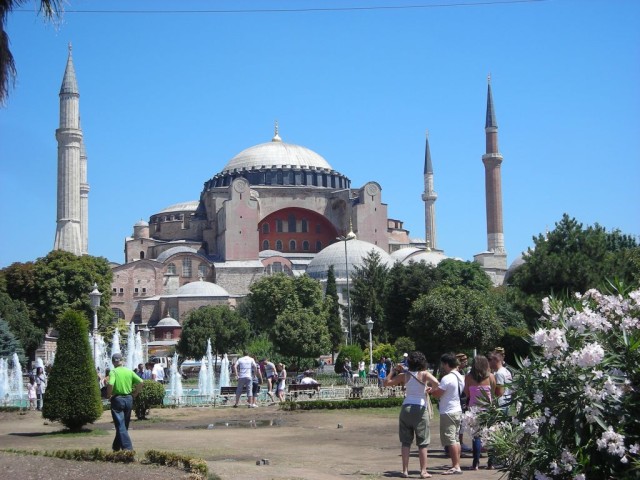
<point>41,386</point>
<point>272,378</point>
<point>124,385</point>
<point>480,387</point>
<point>282,380</point>
<point>449,393</point>
<point>416,408</point>
<point>244,370</point>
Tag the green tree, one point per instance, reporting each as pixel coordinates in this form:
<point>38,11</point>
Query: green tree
<point>385,350</point>
<point>405,283</point>
<point>49,8</point>
<point>301,333</point>
<point>72,396</point>
<point>367,294</point>
<point>17,316</point>
<point>9,343</point>
<point>269,297</point>
<point>332,307</point>
<point>355,354</point>
<point>454,273</point>
<point>224,326</point>
<point>60,281</point>
<point>452,319</point>
<point>404,345</point>
<point>572,258</point>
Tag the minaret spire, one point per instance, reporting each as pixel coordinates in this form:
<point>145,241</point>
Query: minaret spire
<point>492,160</point>
<point>69,137</point>
<point>429,196</point>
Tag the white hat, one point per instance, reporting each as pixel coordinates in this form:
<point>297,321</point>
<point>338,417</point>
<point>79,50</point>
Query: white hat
<point>405,355</point>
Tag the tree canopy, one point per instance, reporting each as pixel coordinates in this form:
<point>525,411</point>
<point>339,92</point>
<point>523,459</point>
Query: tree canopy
<point>572,258</point>
<point>225,327</point>
<point>301,333</point>
<point>367,296</point>
<point>454,318</point>
<point>332,307</point>
<point>57,282</point>
<point>9,343</point>
<point>17,316</point>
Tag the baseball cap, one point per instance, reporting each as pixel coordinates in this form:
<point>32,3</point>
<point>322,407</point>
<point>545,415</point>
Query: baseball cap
<point>116,357</point>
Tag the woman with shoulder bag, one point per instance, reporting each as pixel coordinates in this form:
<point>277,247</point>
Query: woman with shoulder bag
<point>416,408</point>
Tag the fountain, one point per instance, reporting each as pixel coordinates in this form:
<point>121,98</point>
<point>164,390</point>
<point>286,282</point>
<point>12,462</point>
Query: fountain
<point>11,382</point>
<point>224,371</point>
<point>207,379</point>
<point>175,381</point>
<point>134,347</point>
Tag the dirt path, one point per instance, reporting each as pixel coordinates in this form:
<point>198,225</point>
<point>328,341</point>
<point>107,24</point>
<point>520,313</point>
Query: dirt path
<point>318,445</point>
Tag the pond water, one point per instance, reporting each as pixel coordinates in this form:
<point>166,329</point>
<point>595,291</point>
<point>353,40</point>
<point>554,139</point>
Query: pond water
<point>224,424</point>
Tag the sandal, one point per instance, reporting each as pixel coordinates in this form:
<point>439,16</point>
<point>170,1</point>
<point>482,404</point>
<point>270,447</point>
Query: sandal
<point>453,471</point>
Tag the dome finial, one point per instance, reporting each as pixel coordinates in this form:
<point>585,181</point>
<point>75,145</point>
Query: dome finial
<point>351,235</point>
<point>489,78</point>
<point>70,48</point>
<point>276,137</point>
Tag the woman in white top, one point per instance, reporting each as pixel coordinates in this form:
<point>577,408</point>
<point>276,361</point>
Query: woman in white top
<point>416,408</point>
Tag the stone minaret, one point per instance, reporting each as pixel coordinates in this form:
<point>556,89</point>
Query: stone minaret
<point>69,136</point>
<point>494,260</point>
<point>84,200</point>
<point>493,183</point>
<point>429,198</point>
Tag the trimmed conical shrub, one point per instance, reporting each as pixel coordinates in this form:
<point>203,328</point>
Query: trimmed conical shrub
<point>72,396</point>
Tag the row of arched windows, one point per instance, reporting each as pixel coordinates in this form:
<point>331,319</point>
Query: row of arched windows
<point>203,270</point>
<point>292,226</point>
<point>293,246</point>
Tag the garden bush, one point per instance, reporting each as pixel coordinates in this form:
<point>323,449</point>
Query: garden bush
<point>72,396</point>
<point>575,410</point>
<point>343,404</point>
<point>152,395</point>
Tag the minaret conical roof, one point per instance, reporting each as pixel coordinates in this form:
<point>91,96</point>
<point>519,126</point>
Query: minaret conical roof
<point>428,168</point>
<point>491,113</point>
<point>69,83</point>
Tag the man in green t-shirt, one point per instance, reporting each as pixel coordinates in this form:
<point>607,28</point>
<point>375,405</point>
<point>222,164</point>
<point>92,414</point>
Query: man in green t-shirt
<point>123,386</point>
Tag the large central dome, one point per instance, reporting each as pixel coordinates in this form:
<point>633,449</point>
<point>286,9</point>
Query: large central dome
<point>277,154</point>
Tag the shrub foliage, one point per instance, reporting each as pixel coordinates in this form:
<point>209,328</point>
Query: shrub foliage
<point>152,395</point>
<point>72,396</point>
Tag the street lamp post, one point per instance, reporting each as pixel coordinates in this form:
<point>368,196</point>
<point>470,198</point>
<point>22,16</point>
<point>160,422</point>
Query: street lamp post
<point>94,296</point>
<point>345,239</point>
<point>370,327</point>
<point>346,335</point>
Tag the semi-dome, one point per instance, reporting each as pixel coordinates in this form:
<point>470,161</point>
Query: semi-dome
<point>334,254</point>
<point>201,289</point>
<point>172,251</point>
<point>168,322</point>
<point>190,206</point>
<point>414,254</point>
<point>277,154</point>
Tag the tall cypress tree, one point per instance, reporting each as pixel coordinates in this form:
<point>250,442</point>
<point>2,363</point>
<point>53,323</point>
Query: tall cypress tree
<point>73,394</point>
<point>334,320</point>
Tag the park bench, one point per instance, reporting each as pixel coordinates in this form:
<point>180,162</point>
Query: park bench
<point>356,391</point>
<point>226,392</point>
<point>296,389</point>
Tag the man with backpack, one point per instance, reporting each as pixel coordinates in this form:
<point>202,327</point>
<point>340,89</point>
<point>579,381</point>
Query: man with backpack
<point>449,392</point>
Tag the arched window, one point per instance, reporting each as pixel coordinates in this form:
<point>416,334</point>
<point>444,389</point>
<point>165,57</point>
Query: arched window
<point>265,244</point>
<point>292,245</point>
<point>141,255</point>
<point>173,313</point>
<point>279,226</point>
<point>203,270</point>
<point>117,314</point>
<point>304,226</point>
<point>277,267</point>
<point>318,246</point>
<point>171,268</point>
<point>305,246</point>
<point>279,245</point>
<point>292,223</point>
<point>265,227</point>
<point>186,268</point>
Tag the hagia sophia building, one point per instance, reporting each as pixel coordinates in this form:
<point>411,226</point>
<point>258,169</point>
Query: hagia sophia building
<point>274,207</point>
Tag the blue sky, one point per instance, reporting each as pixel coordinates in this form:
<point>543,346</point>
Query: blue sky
<point>167,99</point>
